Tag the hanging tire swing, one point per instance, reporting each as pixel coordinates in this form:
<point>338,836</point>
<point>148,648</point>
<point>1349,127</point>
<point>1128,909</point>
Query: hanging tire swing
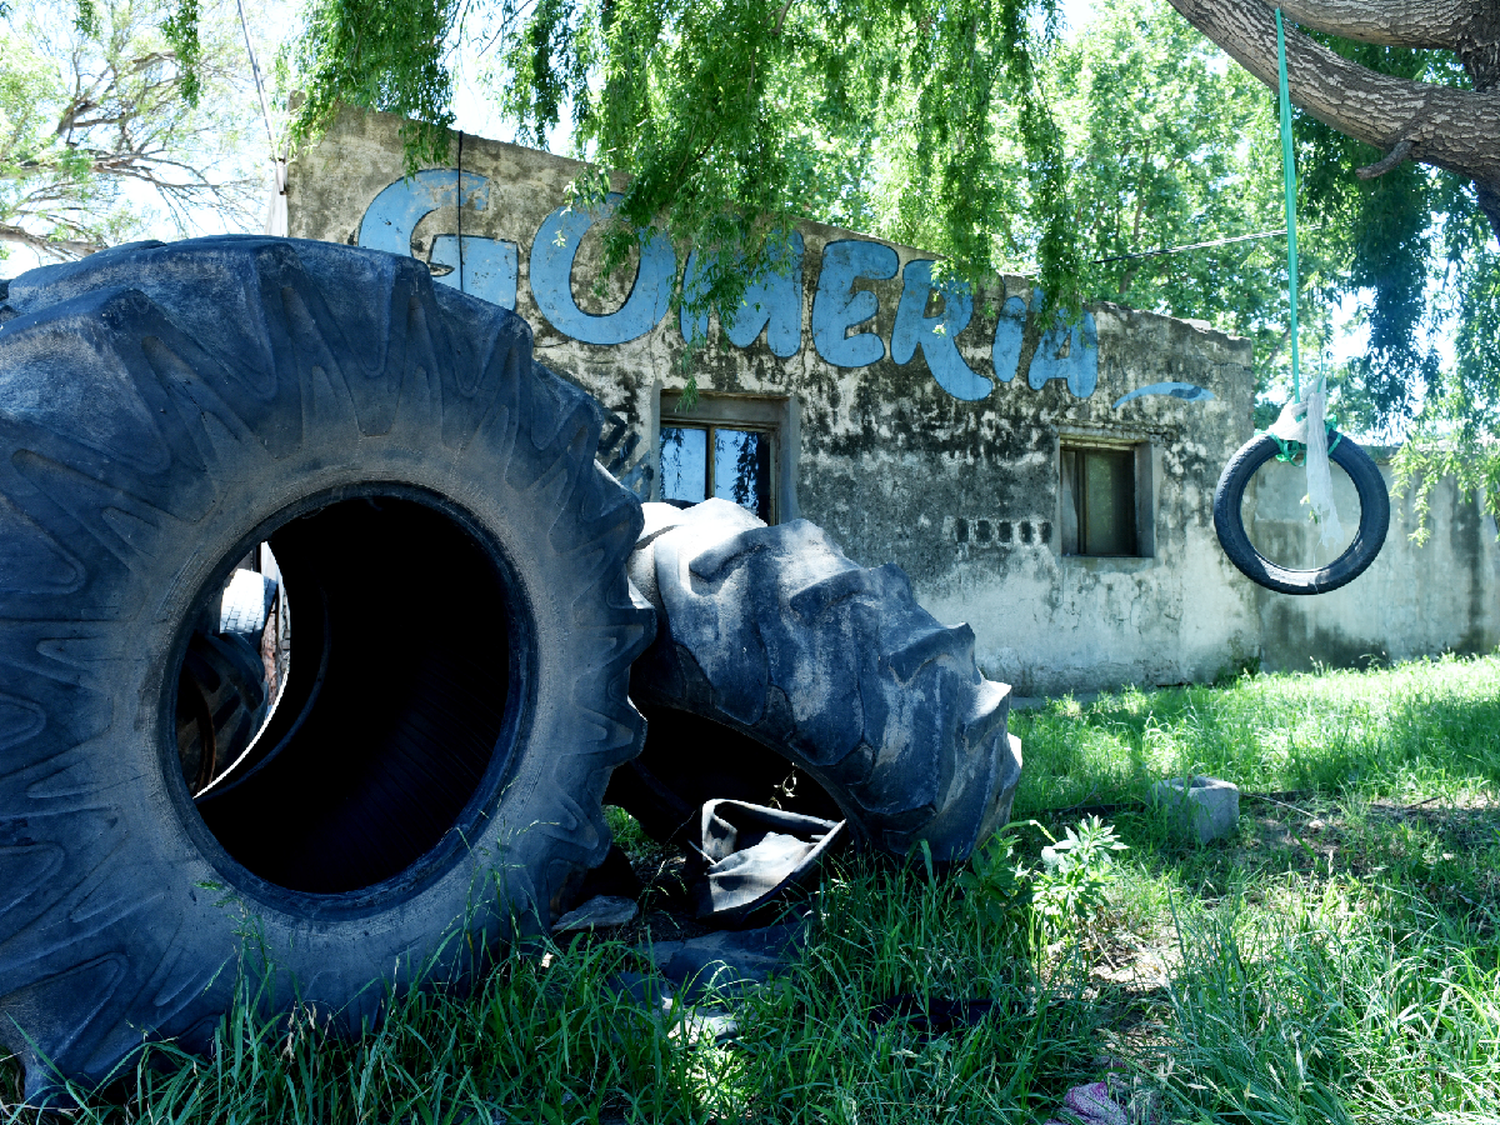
<point>1374,518</point>
<point>1369,485</point>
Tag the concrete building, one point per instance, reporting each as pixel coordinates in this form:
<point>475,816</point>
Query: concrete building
<point>1052,485</point>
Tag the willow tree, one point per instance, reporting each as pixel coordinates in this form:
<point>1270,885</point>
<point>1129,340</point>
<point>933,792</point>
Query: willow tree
<point>735,119</point>
<point>1401,140</point>
<point>1447,124</point>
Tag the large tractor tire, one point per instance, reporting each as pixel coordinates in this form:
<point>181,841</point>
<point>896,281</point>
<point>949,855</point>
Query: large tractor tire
<point>431,777</point>
<point>775,653</point>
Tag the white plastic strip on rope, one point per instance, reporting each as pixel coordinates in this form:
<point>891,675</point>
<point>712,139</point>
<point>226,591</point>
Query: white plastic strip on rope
<point>1303,421</point>
<point>276,218</point>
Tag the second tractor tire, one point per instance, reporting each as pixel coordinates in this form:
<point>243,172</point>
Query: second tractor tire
<point>773,634</point>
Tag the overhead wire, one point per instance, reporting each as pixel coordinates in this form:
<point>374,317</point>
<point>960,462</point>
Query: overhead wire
<point>1193,246</point>
<point>276,218</point>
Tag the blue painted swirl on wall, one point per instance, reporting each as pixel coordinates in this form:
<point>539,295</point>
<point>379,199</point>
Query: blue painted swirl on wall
<point>1188,392</point>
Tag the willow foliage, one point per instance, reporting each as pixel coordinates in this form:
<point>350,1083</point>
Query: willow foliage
<point>386,56</point>
<point>735,119</point>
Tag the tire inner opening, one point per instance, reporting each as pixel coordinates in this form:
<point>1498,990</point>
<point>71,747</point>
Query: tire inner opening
<point>689,760</point>
<point>394,703</point>
<point>1279,522</point>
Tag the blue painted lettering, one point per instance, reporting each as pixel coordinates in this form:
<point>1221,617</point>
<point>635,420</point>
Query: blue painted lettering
<point>489,266</point>
<point>1079,369</point>
<point>773,303</point>
<point>937,336</point>
<point>1006,352</point>
<point>1187,392</point>
<point>838,308</point>
<point>552,253</point>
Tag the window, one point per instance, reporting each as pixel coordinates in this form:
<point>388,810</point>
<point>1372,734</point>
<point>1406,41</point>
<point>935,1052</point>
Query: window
<point>1101,499</point>
<point>726,447</point>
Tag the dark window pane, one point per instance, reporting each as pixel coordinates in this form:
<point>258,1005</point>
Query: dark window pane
<point>742,469</point>
<point>1098,501</point>
<point>1109,502</point>
<point>684,463</point>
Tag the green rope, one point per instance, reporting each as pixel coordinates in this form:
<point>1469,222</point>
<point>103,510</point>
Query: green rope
<point>1294,452</point>
<point>1291,450</point>
<point>1289,172</point>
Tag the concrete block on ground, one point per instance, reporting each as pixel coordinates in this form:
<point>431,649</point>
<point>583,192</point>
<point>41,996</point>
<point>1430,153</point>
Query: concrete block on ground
<point>1204,808</point>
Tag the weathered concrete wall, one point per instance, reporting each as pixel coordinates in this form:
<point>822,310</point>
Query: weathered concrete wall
<point>946,463</point>
<point>1055,622</point>
<point>1413,601</point>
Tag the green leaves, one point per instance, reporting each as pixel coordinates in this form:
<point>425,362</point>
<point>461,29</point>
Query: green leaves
<point>997,885</point>
<point>389,56</point>
<point>1169,146</point>
<point>736,119</point>
<point>111,93</point>
<point>1076,873</point>
<point>181,31</point>
<point>86,21</point>
<point>1051,902</point>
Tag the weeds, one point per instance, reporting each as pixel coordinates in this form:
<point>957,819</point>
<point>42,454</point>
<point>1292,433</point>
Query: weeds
<point>1030,905</point>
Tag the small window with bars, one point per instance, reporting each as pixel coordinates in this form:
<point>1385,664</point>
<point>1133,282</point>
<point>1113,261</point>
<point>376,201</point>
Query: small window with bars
<point>1099,499</point>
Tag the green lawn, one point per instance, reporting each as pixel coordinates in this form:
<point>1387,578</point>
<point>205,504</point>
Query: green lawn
<point>1336,960</point>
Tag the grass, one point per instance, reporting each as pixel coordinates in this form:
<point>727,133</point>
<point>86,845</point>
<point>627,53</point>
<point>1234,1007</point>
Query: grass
<point>1337,960</point>
<point>1425,729</point>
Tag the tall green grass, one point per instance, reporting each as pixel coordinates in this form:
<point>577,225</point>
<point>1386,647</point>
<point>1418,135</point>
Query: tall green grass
<point>816,1049</point>
<point>1330,1010</point>
<point>1338,960</point>
<point>552,1036</point>
<point>547,1037</point>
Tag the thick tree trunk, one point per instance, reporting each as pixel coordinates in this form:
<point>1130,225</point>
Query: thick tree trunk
<point>1454,129</point>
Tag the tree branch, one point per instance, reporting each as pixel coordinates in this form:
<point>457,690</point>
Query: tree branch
<point>781,17</point>
<point>61,249</point>
<point>1381,167</point>
<point>1392,23</point>
<point>1444,126</point>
